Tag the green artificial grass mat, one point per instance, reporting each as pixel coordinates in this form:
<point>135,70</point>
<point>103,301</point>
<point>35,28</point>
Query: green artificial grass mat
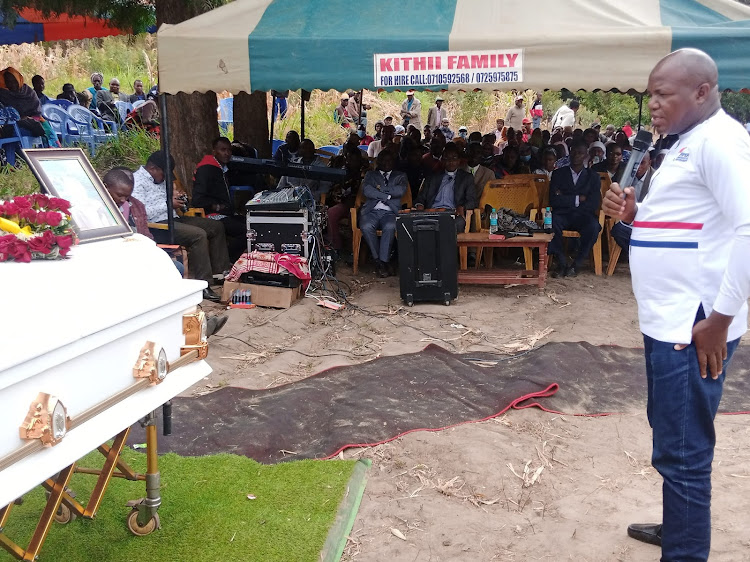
<point>205,514</point>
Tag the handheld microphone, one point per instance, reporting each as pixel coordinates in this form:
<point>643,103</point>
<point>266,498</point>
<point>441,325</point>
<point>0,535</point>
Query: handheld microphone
<point>641,144</point>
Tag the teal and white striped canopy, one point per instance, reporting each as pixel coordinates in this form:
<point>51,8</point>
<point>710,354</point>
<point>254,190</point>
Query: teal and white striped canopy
<point>322,44</point>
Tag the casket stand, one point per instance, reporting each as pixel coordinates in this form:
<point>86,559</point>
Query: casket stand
<point>81,361</point>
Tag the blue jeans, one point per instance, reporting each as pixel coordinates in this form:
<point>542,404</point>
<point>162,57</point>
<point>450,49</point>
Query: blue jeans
<point>681,410</point>
<point>370,223</point>
<point>536,122</point>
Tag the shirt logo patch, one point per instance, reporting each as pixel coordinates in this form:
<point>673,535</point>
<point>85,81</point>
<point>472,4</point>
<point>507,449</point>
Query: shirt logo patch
<point>683,155</point>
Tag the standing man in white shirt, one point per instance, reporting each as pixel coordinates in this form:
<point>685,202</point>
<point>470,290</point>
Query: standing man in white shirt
<point>411,111</point>
<point>565,116</point>
<point>691,278</point>
<point>436,114</point>
<point>515,115</point>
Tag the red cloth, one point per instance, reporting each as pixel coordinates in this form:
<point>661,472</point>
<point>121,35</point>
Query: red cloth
<point>267,262</point>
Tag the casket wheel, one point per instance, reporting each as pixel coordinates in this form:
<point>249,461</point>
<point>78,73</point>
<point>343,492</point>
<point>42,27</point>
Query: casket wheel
<point>64,514</point>
<point>142,531</point>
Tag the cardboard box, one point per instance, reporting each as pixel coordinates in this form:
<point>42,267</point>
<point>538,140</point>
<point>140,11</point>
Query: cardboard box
<point>264,295</point>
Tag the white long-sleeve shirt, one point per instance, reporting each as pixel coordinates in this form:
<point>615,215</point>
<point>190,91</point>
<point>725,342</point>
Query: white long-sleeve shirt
<point>691,235</point>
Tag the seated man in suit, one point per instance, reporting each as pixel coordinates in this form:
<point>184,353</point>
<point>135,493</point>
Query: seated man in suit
<point>574,195</point>
<point>451,189</point>
<point>383,189</point>
<point>621,231</point>
<point>481,174</point>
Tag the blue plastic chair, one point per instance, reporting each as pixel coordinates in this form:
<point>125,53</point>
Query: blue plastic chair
<point>226,113</point>
<point>68,129</point>
<point>65,104</point>
<point>124,107</point>
<point>27,141</point>
<point>332,149</point>
<point>11,144</point>
<point>275,144</point>
<point>96,125</point>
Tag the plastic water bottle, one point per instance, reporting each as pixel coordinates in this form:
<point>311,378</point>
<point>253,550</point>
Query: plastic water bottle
<point>548,220</point>
<point>493,222</point>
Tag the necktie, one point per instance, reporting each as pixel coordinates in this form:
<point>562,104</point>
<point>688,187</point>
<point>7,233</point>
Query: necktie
<point>385,178</point>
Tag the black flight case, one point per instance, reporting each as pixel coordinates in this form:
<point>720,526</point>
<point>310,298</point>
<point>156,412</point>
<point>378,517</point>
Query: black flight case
<point>427,256</point>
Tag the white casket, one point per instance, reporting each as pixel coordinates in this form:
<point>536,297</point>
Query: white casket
<point>74,328</point>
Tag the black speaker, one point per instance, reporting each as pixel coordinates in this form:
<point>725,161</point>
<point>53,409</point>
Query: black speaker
<point>427,256</point>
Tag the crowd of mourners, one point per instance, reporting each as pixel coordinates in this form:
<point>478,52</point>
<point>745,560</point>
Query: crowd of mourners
<point>403,161</point>
<point>430,167</point>
<point>29,100</point>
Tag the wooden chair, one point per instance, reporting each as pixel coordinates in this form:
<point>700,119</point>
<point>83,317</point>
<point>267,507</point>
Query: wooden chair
<point>596,251</point>
<point>613,247</point>
<point>406,201</point>
<point>518,194</point>
<point>541,182</point>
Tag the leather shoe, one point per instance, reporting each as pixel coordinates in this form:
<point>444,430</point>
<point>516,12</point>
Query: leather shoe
<point>214,324</point>
<point>380,269</point>
<point>571,271</point>
<point>559,271</point>
<point>209,295</point>
<point>646,532</point>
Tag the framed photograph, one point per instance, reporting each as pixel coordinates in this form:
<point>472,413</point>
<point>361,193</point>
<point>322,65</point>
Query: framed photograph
<point>67,173</point>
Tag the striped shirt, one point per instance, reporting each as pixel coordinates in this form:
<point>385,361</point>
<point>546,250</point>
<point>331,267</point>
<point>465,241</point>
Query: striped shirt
<point>691,234</point>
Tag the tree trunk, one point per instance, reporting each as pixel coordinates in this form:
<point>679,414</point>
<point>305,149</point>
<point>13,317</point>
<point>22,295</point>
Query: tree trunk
<point>192,118</point>
<point>251,121</point>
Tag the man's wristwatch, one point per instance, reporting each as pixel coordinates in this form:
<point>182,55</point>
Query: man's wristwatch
<point>389,197</point>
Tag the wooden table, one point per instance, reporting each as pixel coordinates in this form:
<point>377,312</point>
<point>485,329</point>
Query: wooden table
<point>503,276</point>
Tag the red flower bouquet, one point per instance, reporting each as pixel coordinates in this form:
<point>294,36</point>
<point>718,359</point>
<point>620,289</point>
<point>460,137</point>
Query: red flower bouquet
<point>35,227</point>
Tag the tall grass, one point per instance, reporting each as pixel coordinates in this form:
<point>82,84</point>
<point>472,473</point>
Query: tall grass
<point>125,58</point>
<point>131,149</point>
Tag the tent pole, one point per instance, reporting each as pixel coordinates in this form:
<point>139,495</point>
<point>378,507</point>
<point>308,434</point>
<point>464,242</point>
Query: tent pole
<point>640,110</point>
<point>273,119</point>
<point>302,127</point>
<point>168,172</point>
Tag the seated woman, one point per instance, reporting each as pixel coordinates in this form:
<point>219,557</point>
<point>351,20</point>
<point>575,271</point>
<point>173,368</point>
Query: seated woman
<point>14,93</point>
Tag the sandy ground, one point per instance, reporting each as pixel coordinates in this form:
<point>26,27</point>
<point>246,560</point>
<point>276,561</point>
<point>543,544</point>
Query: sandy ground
<point>526,486</point>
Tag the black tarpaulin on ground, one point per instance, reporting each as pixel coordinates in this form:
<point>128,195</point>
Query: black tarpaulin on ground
<point>377,401</point>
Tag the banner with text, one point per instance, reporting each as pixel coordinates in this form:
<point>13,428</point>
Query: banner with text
<point>451,68</point>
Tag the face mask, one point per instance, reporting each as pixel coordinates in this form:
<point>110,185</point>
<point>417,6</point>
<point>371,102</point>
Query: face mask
<point>596,160</point>
<point>361,134</point>
<point>462,134</point>
<point>526,158</point>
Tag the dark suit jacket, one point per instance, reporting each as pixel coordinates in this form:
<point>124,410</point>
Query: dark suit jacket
<point>602,167</point>
<point>589,184</point>
<point>374,190</point>
<point>646,184</point>
<point>464,194</point>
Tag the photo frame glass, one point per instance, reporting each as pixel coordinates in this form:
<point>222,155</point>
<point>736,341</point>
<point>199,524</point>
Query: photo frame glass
<point>67,173</point>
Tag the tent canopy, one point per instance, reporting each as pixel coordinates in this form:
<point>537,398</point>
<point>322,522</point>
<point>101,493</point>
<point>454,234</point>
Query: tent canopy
<point>577,44</point>
<point>32,26</point>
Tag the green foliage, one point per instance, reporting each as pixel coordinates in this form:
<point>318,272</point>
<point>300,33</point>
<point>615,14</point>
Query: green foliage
<point>614,108</point>
<point>131,149</point>
<point>134,15</point>
<point>205,514</point>
<point>16,181</point>
<point>737,104</point>
<point>125,58</point>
